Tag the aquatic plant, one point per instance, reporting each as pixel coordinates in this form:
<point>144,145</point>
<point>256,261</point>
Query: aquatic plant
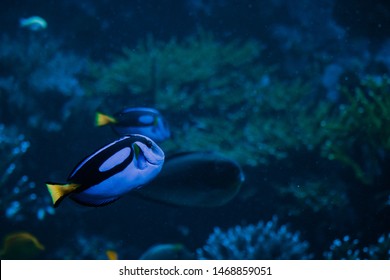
<point>351,249</point>
<point>358,131</point>
<point>19,197</point>
<point>265,240</point>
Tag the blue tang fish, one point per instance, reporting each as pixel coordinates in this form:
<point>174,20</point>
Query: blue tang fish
<point>141,120</point>
<point>106,175</point>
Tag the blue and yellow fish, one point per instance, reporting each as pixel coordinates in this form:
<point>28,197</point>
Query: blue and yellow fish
<point>21,246</point>
<point>140,120</point>
<point>109,173</point>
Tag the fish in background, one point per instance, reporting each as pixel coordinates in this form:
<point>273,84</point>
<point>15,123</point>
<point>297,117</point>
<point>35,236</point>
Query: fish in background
<point>109,173</point>
<point>195,179</point>
<point>21,246</point>
<point>111,255</point>
<point>167,252</point>
<point>34,23</point>
<point>140,120</point>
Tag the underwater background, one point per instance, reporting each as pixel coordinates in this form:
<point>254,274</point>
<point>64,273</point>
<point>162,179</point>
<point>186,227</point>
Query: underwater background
<point>295,92</point>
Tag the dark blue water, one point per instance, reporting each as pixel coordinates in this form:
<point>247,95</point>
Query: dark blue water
<point>295,92</point>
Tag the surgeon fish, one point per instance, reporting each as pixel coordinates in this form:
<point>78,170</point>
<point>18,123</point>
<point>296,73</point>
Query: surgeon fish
<point>141,120</point>
<point>195,179</point>
<point>115,169</point>
<point>34,23</point>
<point>21,246</point>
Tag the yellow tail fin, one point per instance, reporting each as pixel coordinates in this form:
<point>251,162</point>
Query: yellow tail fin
<point>102,119</point>
<point>59,191</point>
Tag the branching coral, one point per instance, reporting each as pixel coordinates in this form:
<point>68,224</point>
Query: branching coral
<point>18,195</point>
<point>221,95</point>
<point>358,130</point>
<point>154,66</point>
<point>346,248</point>
<point>84,246</point>
<point>33,73</point>
<point>265,240</point>
<point>350,249</point>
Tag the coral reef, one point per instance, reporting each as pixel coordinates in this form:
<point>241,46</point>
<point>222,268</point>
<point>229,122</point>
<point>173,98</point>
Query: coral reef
<point>19,199</point>
<point>172,74</point>
<point>315,196</point>
<point>34,73</point>
<point>39,87</point>
<point>265,240</point>
<point>358,131</point>
<point>306,116</point>
<point>85,247</point>
<point>265,117</point>
<point>351,249</point>
<point>206,80</point>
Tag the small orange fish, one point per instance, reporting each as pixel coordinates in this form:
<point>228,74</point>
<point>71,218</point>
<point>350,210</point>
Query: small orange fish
<point>21,246</point>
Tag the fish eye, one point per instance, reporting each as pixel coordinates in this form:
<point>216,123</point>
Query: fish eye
<point>149,144</point>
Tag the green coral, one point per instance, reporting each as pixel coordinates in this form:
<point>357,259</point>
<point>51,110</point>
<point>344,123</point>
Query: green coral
<point>222,96</point>
<point>218,96</point>
<point>359,130</point>
<point>170,72</point>
<point>253,123</point>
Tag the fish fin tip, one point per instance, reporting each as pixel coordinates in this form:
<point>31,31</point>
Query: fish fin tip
<point>59,191</point>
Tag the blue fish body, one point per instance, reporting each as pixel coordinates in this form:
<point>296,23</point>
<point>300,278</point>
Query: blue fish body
<point>112,171</point>
<point>141,120</point>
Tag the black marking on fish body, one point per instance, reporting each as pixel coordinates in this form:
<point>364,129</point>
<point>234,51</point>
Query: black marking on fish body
<point>87,172</point>
<point>131,118</point>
